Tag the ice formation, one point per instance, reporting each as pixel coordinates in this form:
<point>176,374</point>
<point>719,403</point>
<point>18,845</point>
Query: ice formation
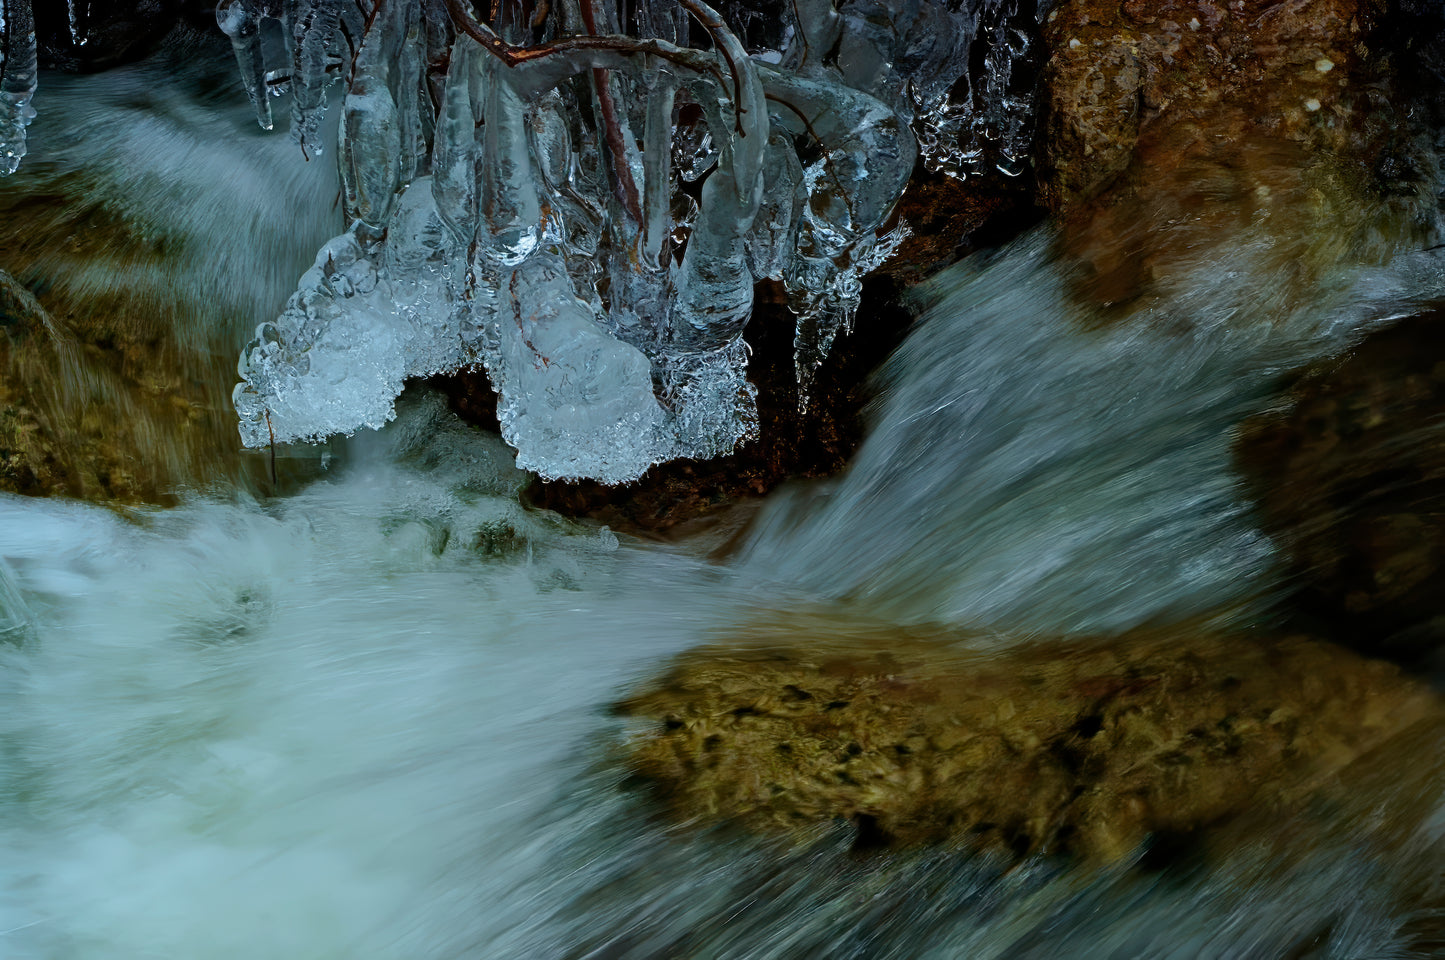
<point>17,80</point>
<point>581,196</point>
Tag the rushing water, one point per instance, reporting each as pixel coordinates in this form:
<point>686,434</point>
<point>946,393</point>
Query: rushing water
<point>369,719</point>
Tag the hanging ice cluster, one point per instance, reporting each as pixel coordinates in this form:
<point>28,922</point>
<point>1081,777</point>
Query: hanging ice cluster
<point>582,199</point>
<point>985,121</point>
<point>17,80</point>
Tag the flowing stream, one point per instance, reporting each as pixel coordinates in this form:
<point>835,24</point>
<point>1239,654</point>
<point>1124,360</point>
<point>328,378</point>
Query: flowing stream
<point>369,719</point>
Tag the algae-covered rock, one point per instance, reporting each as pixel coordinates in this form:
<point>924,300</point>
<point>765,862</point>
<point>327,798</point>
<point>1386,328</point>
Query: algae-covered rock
<point>154,231</point>
<point>1082,747</point>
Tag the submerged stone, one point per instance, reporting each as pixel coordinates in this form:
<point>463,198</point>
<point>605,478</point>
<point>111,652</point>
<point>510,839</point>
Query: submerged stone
<point>1084,747</point>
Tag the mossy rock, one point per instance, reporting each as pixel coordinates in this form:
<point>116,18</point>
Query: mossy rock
<point>1085,747</point>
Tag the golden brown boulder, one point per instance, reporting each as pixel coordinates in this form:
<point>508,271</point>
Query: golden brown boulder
<point>114,419</point>
<point>1083,747</point>
<point>1174,127</point>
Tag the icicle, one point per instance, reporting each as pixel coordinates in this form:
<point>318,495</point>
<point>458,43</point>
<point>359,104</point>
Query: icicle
<point>774,234</point>
<point>314,30</point>
<point>17,84</point>
<point>78,35</point>
<point>241,21</point>
<point>381,131</point>
<point>454,154</point>
<point>574,401</point>
<point>714,288</point>
<point>867,158</point>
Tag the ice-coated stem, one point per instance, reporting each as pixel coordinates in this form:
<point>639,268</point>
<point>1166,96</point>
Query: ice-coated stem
<point>714,286</point>
<point>585,211</point>
<point>657,169</point>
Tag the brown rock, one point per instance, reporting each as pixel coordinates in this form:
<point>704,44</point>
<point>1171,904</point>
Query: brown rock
<point>124,393</point>
<point>1174,127</point>
<point>1349,476</point>
<point>100,416</point>
<point>1086,747</point>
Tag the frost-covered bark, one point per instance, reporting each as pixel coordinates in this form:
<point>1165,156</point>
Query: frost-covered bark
<point>583,205</point>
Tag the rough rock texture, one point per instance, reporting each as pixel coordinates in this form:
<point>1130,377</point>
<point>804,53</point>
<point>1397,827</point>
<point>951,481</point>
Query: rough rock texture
<point>1084,747</point>
<point>1172,127</point>
<point>1349,476</point>
<point>1163,77</point>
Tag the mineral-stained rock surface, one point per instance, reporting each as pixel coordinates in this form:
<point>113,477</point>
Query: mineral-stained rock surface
<point>1173,127</point>
<point>1349,476</point>
<point>1164,77</point>
<point>1083,747</point>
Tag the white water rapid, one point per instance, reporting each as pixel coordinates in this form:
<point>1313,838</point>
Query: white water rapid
<point>369,720</point>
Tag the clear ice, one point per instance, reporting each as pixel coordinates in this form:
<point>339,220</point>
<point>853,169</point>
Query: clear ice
<point>17,80</point>
<point>581,202</point>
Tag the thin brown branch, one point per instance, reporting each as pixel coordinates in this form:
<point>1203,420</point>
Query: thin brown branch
<point>514,56</point>
<point>365,32</point>
<point>623,183</point>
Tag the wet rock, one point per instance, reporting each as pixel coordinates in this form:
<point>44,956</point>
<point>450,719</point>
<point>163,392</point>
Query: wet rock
<point>1174,128</point>
<point>122,225</point>
<point>1349,477</point>
<point>1165,77</point>
<point>1083,747</point>
<point>950,218</point>
<point>73,424</point>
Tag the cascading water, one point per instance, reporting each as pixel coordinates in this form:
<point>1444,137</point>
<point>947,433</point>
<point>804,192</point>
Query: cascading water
<point>1073,446</point>
<point>367,720</point>
<point>370,719</point>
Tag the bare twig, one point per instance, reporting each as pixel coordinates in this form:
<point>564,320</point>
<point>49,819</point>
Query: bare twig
<point>624,184</point>
<point>714,27</point>
<point>514,56</point>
